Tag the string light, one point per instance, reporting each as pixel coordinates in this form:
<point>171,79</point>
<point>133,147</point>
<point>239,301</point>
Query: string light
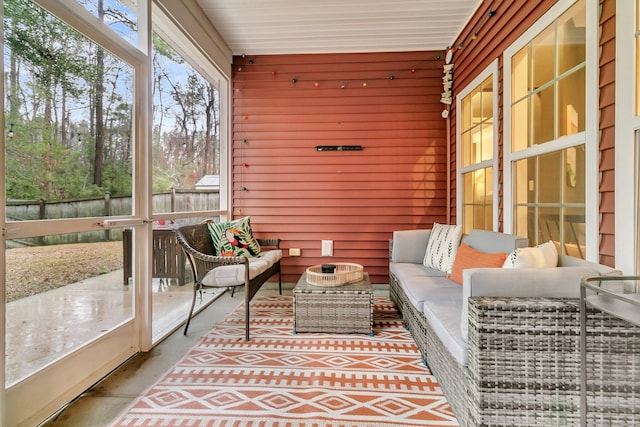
<point>474,34</point>
<point>365,83</point>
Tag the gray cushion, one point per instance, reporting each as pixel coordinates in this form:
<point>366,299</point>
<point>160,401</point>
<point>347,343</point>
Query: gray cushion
<point>557,282</point>
<point>418,281</point>
<point>492,242</point>
<point>443,312</point>
<point>602,270</point>
<point>409,245</point>
<point>233,275</point>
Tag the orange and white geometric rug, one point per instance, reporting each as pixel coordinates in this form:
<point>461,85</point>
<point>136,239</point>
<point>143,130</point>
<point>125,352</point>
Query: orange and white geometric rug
<point>279,379</point>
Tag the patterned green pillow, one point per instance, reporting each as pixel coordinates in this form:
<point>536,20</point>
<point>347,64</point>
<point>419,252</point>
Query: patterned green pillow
<point>234,238</point>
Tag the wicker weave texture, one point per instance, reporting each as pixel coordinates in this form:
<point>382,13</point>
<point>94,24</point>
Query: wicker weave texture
<point>413,319</point>
<point>524,363</point>
<point>337,312</point>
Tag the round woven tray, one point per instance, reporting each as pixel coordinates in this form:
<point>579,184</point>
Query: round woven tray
<point>345,272</point>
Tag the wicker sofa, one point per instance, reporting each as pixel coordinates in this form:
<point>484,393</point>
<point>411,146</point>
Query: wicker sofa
<point>504,346</point>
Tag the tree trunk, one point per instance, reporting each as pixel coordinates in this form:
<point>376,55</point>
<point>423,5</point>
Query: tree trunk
<point>98,106</point>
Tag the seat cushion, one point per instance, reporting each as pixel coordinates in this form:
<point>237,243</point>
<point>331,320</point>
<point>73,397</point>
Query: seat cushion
<point>443,309</point>
<point>418,281</point>
<point>233,275</point>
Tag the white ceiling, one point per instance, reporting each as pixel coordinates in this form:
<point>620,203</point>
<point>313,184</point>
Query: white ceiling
<point>333,26</point>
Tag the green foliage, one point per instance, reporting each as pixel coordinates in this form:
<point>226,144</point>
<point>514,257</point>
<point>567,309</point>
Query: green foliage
<point>53,81</point>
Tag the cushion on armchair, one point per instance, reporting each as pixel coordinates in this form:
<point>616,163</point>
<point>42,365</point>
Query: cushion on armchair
<point>234,238</point>
<point>233,275</point>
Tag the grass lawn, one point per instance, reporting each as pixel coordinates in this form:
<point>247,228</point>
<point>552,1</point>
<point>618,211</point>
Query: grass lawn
<point>38,269</point>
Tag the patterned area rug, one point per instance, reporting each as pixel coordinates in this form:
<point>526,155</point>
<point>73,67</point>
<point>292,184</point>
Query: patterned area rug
<point>279,379</point>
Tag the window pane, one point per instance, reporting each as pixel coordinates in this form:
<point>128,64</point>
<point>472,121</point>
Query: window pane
<point>467,180</point>
<point>69,117</point>
<point>476,144</point>
<point>466,113</point>
<point>186,129</point>
<point>637,75</point>
<point>520,127</point>
<point>489,186</point>
<point>465,154</point>
<point>487,99</point>
<point>574,182</point>
<point>571,103</point>
<point>521,182</point>
<point>477,199</point>
<point>523,221</point>
<point>550,226</point>
<point>116,15</point>
<point>571,38</point>
<point>486,142</point>
<point>467,219</point>
<point>543,57</point>
<point>520,74</point>
<point>552,188</point>
<point>549,177</point>
<point>479,186</point>
<point>172,280</point>
<point>62,291</point>
<point>574,232</point>
<point>543,115</point>
<point>476,106</point>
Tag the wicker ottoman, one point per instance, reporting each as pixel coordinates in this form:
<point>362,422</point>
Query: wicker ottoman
<point>340,309</point>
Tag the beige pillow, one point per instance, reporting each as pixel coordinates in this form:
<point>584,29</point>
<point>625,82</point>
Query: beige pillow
<point>550,253</point>
<point>525,258</point>
<point>544,255</point>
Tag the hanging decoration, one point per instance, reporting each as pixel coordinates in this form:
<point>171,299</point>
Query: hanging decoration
<point>447,79</point>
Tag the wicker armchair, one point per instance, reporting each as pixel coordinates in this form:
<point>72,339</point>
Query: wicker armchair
<point>198,247</point>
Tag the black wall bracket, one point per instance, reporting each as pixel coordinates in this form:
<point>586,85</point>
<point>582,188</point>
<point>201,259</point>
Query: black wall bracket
<point>339,148</point>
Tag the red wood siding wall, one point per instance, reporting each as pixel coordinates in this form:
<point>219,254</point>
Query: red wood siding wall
<point>607,130</point>
<point>472,55</point>
<point>494,35</point>
<point>388,103</point>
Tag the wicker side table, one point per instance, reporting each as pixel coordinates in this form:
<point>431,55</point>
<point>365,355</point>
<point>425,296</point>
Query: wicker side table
<point>340,309</point>
<point>619,297</point>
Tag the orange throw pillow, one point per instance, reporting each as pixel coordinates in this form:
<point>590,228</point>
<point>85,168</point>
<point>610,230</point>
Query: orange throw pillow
<point>467,257</point>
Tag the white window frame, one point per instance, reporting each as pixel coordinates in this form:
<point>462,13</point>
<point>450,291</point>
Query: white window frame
<point>626,145</point>
<point>589,137</point>
<point>493,163</point>
<point>68,376</point>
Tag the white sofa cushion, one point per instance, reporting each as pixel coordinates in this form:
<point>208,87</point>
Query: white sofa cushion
<point>233,275</point>
<point>418,281</point>
<point>443,312</point>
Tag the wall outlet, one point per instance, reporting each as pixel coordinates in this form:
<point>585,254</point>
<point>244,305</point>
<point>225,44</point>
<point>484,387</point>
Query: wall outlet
<point>327,248</point>
<point>294,251</point>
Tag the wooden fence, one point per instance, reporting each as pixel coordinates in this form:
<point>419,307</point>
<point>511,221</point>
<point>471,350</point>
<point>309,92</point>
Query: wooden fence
<point>171,201</point>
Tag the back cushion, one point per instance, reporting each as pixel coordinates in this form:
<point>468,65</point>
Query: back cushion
<point>491,241</point>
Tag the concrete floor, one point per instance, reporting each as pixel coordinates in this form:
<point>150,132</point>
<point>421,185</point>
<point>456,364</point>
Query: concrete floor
<point>107,399</point>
